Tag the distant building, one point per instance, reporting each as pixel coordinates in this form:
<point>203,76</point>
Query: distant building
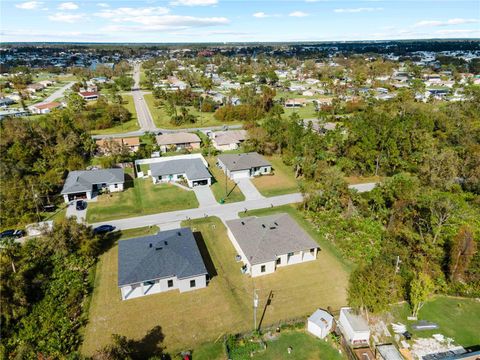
<point>89,95</point>
<point>178,141</point>
<point>228,140</point>
<point>104,146</point>
<point>45,108</point>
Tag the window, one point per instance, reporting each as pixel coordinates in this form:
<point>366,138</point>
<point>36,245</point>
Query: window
<point>170,283</point>
<point>265,170</point>
<point>279,261</point>
<point>262,268</point>
<point>116,186</point>
<point>192,283</point>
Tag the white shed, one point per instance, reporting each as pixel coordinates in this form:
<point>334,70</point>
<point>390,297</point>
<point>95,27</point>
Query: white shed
<point>320,323</point>
<point>354,327</point>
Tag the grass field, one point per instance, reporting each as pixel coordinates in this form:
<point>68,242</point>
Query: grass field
<point>191,319</point>
<point>282,182</point>
<point>162,120</point>
<point>131,125</point>
<point>305,112</point>
<point>137,232</point>
<point>352,180</point>
<point>142,199</point>
<point>458,318</point>
<point>218,184</point>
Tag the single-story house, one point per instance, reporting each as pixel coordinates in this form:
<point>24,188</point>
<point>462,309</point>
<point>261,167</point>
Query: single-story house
<point>193,171</point>
<point>320,323</point>
<point>105,146</point>
<point>6,101</point>
<point>228,140</point>
<point>178,141</point>
<point>354,327</point>
<point>166,261</point>
<point>294,103</point>
<point>33,88</point>
<point>47,82</point>
<point>239,166</point>
<point>45,108</point>
<point>84,184</point>
<point>265,243</point>
<point>89,95</point>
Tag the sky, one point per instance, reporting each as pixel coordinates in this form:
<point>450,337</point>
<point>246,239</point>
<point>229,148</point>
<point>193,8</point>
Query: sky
<point>159,21</point>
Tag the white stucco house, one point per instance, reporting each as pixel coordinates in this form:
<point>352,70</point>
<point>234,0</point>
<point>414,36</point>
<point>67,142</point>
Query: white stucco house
<point>169,260</point>
<point>320,323</point>
<point>85,184</point>
<point>268,242</point>
<point>228,140</point>
<point>354,327</point>
<point>193,171</point>
<point>241,166</point>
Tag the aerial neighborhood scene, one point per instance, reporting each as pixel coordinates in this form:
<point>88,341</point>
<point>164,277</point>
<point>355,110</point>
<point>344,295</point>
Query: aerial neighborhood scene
<point>226,179</point>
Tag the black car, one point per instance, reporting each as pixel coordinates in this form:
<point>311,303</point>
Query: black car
<point>102,229</point>
<point>12,233</point>
<point>81,205</point>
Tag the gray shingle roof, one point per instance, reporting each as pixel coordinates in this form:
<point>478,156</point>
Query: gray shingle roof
<point>244,161</point>
<point>83,180</point>
<point>193,168</point>
<point>230,137</point>
<point>172,253</point>
<point>263,239</point>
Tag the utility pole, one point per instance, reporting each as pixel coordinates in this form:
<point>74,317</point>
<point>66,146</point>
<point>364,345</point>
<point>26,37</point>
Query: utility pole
<point>35,199</point>
<point>255,306</point>
<point>397,265</point>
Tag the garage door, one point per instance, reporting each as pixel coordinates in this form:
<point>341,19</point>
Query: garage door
<point>241,174</point>
<point>77,196</point>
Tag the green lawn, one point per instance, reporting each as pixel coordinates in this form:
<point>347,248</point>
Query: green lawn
<point>137,232</point>
<point>281,182</point>
<point>218,184</point>
<point>305,112</point>
<point>210,351</point>
<point>131,125</point>
<point>307,226</point>
<point>458,318</point>
<point>304,347</point>
<point>142,199</point>
<point>162,120</point>
<point>190,320</point>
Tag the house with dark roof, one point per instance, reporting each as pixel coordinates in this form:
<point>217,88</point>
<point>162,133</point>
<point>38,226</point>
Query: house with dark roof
<point>240,166</point>
<point>268,242</point>
<point>169,260</point>
<point>193,170</point>
<point>85,184</point>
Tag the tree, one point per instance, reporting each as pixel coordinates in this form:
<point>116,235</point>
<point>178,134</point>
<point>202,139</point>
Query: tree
<point>421,287</point>
<point>120,349</point>
<point>462,250</point>
<point>75,103</point>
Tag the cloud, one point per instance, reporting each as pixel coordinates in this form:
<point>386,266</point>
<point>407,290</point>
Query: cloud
<point>449,22</point>
<point>358,10</point>
<point>103,5</point>
<point>68,6</point>
<point>448,32</point>
<point>194,2</point>
<point>29,5</point>
<point>298,14</point>
<point>261,15</point>
<point>65,17</point>
<point>130,14</point>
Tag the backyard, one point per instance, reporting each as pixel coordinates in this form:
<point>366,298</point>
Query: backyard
<point>223,307</point>
<point>457,318</point>
<point>142,198</point>
<point>131,125</point>
<point>162,120</point>
<point>281,182</point>
<point>218,184</point>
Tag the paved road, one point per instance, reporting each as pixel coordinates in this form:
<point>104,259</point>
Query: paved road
<point>224,212</point>
<point>248,189</point>
<point>58,93</point>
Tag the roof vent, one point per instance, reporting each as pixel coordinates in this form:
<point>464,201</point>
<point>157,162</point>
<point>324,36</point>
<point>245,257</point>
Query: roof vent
<point>166,242</point>
<point>150,245</point>
<point>275,223</point>
<point>263,225</point>
<point>179,233</point>
<point>243,222</point>
<point>159,248</point>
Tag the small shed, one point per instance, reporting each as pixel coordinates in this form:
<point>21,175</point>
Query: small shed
<point>354,327</point>
<point>320,323</point>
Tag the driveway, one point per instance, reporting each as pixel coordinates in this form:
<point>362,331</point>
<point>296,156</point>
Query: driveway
<point>72,211</point>
<point>204,196</point>
<point>248,189</point>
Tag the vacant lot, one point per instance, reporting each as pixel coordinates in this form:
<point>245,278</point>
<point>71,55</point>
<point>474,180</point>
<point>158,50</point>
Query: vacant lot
<point>458,318</point>
<point>191,319</point>
<point>281,182</point>
<point>142,199</point>
<point>131,125</point>
<point>162,120</point>
<point>218,184</point>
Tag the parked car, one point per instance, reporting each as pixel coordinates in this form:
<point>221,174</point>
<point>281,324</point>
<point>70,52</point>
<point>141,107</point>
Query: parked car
<point>49,208</point>
<point>81,205</point>
<point>12,233</point>
<point>102,229</point>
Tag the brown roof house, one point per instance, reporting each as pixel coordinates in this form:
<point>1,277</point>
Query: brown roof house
<point>228,140</point>
<point>265,243</point>
<point>115,145</point>
<point>45,108</point>
<point>178,141</point>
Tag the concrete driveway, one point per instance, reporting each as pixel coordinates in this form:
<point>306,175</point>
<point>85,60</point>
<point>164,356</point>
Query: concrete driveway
<point>204,196</point>
<point>72,211</point>
<point>248,189</point>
